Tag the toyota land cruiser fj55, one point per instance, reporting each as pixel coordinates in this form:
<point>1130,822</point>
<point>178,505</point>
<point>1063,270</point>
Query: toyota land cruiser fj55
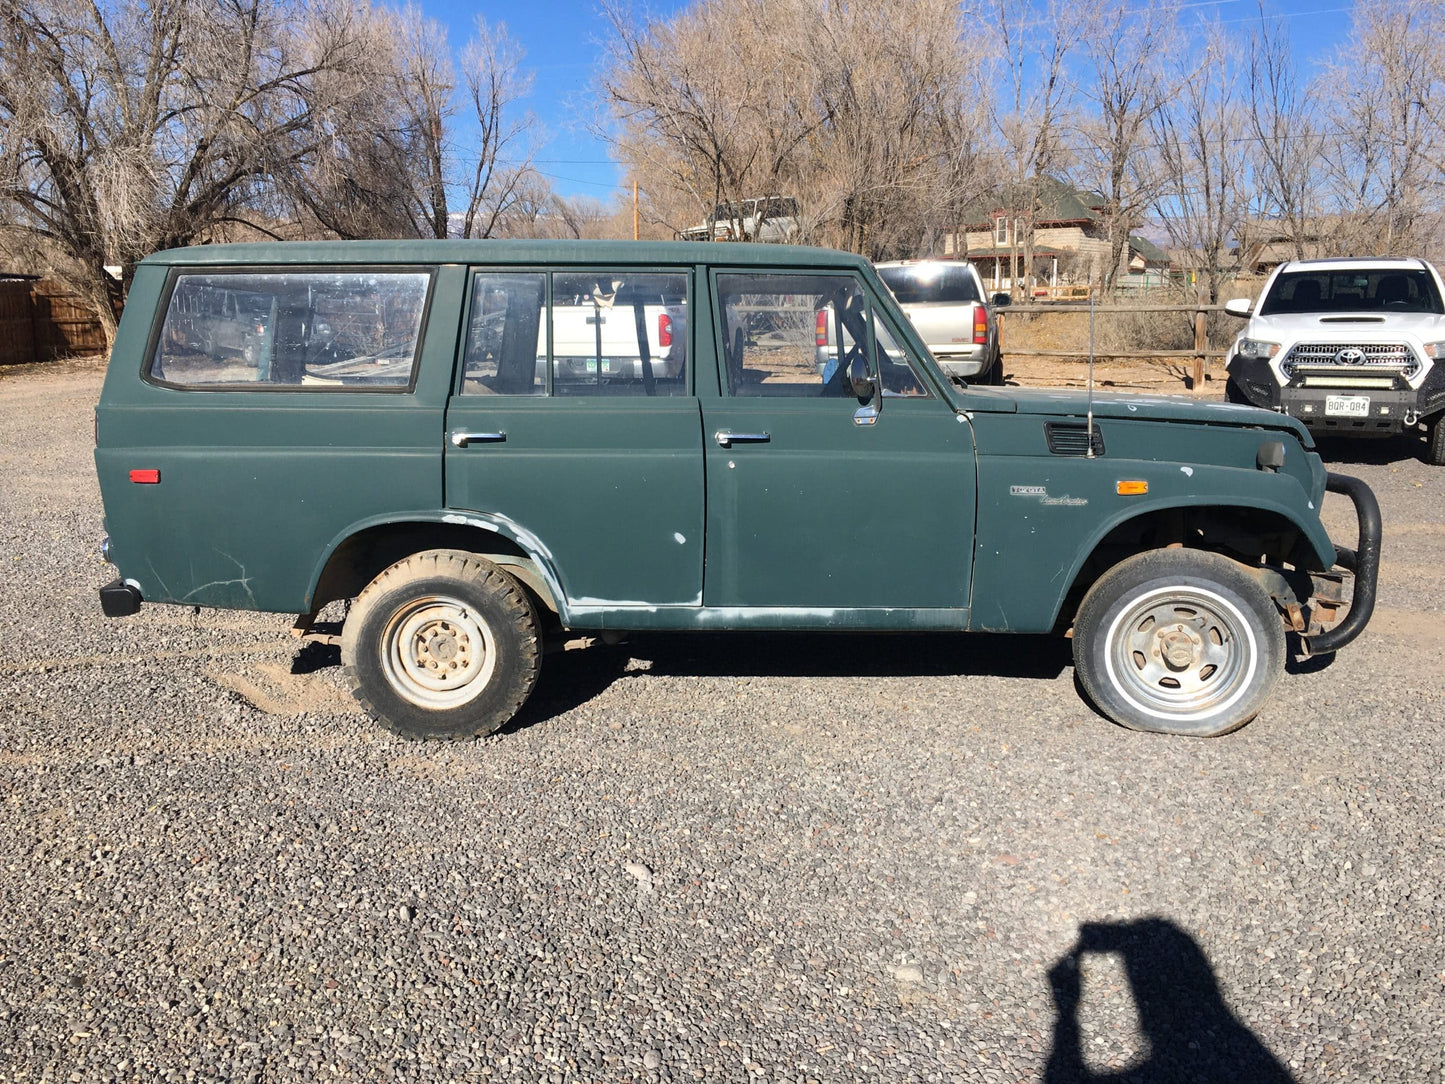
<point>416,433</point>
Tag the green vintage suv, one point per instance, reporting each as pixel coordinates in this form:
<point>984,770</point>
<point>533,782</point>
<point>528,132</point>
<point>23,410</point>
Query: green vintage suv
<point>753,437</point>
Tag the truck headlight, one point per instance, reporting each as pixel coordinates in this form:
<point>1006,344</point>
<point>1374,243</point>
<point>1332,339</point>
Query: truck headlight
<point>1257,348</point>
<point>1435,350</point>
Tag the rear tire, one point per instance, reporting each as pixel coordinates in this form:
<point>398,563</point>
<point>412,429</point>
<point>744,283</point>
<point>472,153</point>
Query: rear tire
<point>441,645</point>
<point>995,373</point>
<point>1178,642</point>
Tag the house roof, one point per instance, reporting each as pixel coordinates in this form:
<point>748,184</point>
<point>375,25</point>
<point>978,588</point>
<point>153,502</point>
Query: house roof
<point>1148,251</point>
<point>1059,203</point>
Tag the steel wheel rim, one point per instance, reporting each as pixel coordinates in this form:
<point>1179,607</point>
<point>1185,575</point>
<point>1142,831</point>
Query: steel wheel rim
<point>1181,653</point>
<point>438,653</point>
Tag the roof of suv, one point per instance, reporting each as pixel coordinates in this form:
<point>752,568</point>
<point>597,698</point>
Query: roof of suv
<point>1353,263</point>
<point>541,253</point>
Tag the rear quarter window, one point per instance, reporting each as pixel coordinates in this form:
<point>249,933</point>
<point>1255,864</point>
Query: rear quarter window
<point>306,329</point>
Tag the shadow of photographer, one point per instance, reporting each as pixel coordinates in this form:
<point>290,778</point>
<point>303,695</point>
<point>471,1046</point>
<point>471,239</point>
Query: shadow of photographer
<point>1191,1034</point>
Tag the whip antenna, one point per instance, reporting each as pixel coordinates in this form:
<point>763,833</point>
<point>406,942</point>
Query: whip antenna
<point>1089,430</point>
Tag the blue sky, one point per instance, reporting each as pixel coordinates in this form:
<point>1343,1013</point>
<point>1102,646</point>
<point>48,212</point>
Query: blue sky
<point>562,39</point>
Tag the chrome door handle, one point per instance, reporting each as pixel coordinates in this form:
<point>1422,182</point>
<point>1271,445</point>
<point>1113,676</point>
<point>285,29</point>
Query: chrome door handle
<point>726,438</point>
<point>461,440</point>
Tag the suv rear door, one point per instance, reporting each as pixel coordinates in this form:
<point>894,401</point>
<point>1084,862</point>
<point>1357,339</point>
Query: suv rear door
<point>598,459</point>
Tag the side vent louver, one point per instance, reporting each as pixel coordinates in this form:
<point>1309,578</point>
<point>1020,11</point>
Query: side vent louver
<point>1072,439</point>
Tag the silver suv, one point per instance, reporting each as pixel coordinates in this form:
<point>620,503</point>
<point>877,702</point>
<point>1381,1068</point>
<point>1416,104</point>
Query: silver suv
<point>1352,347</point>
<point>945,300</point>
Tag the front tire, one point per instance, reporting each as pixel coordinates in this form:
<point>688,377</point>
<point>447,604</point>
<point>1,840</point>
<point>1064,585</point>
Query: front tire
<point>441,645</point>
<point>1435,441</point>
<point>1178,642</point>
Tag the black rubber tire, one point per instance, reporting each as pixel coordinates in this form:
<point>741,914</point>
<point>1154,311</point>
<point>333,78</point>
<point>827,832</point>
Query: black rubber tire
<point>994,376</point>
<point>1226,635</point>
<point>432,616</point>
<point>1435,441</point>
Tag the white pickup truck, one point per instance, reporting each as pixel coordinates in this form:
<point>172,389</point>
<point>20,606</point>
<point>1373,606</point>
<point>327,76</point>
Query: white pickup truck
<point>947,304</point>
<point>597,338</point>
<point>1351,347</point>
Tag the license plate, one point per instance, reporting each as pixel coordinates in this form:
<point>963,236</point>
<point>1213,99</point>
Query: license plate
<point>1347,406</point>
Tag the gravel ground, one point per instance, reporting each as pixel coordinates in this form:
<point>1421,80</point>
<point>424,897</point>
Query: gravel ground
<point>757,859</point>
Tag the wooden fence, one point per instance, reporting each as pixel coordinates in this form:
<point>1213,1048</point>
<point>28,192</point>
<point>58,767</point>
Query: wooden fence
<point>40,321</point>
<point>1201,354</point>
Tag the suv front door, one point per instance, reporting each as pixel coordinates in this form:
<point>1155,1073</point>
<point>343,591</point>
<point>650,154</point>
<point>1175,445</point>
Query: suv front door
<point>814,502</point>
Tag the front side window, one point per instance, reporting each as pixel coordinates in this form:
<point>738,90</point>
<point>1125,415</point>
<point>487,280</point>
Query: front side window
<point>313,329</point>
<point>608,332</point>
<point>802,336</point>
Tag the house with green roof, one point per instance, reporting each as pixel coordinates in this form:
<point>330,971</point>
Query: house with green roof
<point>1071,246</point>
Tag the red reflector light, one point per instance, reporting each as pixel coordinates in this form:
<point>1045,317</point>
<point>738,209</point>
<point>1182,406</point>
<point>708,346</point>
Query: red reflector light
<point>980,324</point>
<point>146,477</point>
<point>664,329</point>
<point>820,328</point>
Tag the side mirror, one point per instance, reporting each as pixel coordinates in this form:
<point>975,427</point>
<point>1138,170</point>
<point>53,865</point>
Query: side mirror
<point>863,385</point>
<point>1002,301</point>
<point>1239,306</point>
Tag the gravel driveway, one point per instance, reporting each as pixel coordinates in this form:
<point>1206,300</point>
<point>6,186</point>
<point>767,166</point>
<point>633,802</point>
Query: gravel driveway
<point>752,859</point>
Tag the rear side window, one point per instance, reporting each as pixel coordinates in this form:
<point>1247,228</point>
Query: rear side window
<point>606,332</point>
<point>307,329</point>
<point>927,283</point>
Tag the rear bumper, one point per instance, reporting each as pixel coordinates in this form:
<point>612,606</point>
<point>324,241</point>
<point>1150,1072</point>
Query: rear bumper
<point>956,361</point>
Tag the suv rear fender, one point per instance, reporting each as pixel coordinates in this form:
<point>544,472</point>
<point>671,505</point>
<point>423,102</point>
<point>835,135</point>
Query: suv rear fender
<point>1234,504</point>
<point>356,556</point>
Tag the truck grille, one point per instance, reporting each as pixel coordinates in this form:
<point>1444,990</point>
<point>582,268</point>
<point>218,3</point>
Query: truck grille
<point>1328,355</point>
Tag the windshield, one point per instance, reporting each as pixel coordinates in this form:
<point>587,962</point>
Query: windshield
<point>1376,290</point>
<point>930,282</point>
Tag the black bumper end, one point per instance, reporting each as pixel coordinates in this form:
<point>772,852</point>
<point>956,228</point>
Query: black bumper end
<point>1363,562</point>
<point>119,599</point>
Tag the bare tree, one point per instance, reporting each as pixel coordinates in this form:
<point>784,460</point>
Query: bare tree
<point>703,105</point>
<point>1386,145</point>
<point>500,162</point>
<point>135,126</point>
<point>1031,119</point>
<point>859,110</point>
<point>394,162</point>
<point>1287,143</point>
<point>1127,89</point>
<point>1201,137</point>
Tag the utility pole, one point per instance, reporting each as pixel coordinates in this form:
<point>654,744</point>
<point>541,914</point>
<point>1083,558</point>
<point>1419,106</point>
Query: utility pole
<point>635,234</point>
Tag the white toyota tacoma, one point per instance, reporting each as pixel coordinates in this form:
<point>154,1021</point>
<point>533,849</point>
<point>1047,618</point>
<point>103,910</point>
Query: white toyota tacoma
<point>1350,347</point>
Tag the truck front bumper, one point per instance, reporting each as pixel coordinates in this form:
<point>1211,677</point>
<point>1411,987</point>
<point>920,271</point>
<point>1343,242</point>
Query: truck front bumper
<point>1385,413</point>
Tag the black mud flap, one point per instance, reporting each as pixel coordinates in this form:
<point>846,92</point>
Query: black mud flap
<point>119,599</point>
